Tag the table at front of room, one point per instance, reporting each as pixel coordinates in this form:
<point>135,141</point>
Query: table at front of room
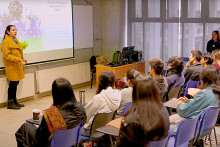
<point>120,71</point>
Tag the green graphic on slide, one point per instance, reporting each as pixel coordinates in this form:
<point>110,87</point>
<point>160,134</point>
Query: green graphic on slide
<point>34,45</point>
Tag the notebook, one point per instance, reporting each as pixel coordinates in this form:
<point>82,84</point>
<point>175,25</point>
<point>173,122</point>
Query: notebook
<point>172,103</point>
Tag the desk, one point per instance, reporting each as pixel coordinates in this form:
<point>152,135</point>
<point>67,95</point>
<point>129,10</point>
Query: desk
<point>35,122</point>
<point>120,71</point>
<point>108,130</point>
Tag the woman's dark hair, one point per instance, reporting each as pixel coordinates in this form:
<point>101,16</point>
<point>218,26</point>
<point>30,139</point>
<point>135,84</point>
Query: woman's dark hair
<point>176,63</point>
<point>217,33</point>
<point>210,77</point>
<point>106,79</point>
<point>157,65</point>
<point>8,28</point>
<point>197,54</point>
<point>62,93</point>
<point>131,74</point>
<point>209,57</point>
<point>146,102</point>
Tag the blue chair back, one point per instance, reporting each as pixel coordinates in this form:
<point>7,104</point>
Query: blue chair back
<point>208,121</point>
<point>187,130</point>
<point>66,138</point>
<point>127,106</point>
<point>191,84</point>
<point>162,142</point>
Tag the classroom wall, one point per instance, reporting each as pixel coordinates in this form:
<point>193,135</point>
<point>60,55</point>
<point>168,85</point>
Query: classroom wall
<point>113,26</point>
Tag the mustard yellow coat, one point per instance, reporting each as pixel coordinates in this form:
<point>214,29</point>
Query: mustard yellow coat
<point>12,54</point>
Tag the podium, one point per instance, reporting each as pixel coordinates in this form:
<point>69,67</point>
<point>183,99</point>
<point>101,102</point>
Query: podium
<point>120,71</point>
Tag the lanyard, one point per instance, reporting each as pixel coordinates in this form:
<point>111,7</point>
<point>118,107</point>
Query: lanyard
<point>14,41</point>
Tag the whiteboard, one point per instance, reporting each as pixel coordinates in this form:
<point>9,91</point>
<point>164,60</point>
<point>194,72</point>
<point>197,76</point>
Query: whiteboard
<point>83,26</point>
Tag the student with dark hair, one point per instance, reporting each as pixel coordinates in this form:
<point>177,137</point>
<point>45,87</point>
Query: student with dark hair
<point>216,55</point>
<point>14,62</point>
<point>156,68</point>
<point>194,67</point>
<point>147,119</point>
<point>65,113</point>
<point>214,43</point>
<point>207,59</point>
<point>107,99</point>
<point>175,76</point>
<point>208,96</point>
<point>126,93</point>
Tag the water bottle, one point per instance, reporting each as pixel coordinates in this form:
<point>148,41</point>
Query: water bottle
<point>82,97</point>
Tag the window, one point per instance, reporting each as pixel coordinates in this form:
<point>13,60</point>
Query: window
<point>137,39</point>
<point>138,4</point>
<point>153,41</point>
<point>174,8</point>
<point>194,8</point>
<point>153,8</point>
<point>169,28</point>
<point>193,39</point>
<point>214,8</point>
<point>172,40</point>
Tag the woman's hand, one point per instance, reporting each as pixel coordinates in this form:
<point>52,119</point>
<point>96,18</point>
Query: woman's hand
<point>188,64</point>
<point>181,100</point>
<point>22,62</point>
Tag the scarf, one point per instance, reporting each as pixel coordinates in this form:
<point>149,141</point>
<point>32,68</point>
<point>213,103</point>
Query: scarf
<point>54,120</point>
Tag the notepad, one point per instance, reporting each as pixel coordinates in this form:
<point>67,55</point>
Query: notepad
<point>193,91</point>
<point>172,103</point>
<point>116,123</point>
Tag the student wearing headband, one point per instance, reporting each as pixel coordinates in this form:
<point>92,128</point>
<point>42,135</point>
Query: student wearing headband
<point>126,93</point>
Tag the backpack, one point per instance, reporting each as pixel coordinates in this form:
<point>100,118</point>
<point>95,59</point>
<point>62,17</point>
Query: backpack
<point>117,58</point>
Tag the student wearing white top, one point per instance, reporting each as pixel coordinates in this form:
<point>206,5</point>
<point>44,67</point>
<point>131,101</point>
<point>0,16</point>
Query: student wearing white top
<point>126,93</point>
<point>107,99</point>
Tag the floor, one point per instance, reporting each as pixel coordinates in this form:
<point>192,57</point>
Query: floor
<point>11,120</point>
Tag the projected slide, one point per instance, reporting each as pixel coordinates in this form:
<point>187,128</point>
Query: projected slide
<point>43,24</point>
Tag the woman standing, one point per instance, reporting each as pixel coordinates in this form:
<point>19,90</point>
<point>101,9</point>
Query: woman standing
<point>14,62</point>
<point>214,42</point>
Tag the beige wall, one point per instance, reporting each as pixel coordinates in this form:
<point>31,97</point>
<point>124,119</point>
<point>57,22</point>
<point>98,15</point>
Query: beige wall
<point>108,26</point>
<point>113,25</point>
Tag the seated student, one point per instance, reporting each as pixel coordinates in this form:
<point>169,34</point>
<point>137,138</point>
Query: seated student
<point>194,67</point>
<point>147,119</point>
<point>175,76</point>
<point>207,59</point>
<point>208,96</point>
<point>126,93</point>
<point>156,68</point>
<point>216,55</point>
<point>65,113</point>
<point>107,99</point>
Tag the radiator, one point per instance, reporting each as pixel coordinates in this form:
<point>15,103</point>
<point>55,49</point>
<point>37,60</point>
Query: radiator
<point>76,74</point>
<point>26,88</point>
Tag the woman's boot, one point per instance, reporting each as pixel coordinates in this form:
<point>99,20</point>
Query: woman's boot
<point>11,105</point>
<point>16,103</point>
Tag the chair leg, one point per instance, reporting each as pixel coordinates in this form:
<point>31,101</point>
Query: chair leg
<point>111,140</point>
<point>210,141</point>
<point>92,80</point>
<point>216,140</point>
